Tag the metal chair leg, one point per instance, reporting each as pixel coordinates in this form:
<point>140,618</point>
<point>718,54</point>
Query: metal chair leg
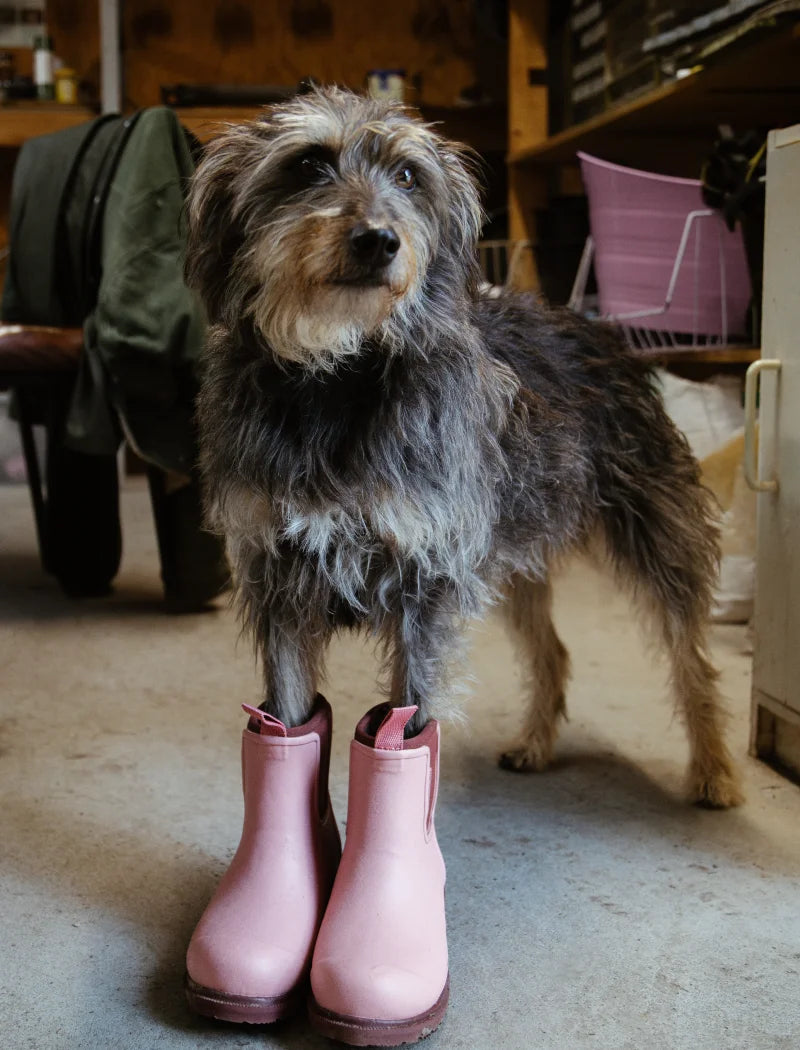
<point>32,469</point>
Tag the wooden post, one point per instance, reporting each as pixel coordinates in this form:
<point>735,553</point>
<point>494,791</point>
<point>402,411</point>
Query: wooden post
<point>527,118</point>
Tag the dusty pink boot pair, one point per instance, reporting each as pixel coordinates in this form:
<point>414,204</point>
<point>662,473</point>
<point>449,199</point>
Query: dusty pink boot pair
<point>375,944</point>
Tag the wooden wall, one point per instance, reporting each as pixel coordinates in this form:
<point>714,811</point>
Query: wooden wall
<point>278,42</point>
<point>75,29</point>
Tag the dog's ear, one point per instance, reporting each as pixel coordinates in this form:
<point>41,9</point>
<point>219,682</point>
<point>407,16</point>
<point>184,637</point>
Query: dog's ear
<point>465,212</point>
<point>215,234</point>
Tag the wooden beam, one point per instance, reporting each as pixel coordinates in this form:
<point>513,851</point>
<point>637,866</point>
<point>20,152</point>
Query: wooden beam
<point>527,63</point>
<point>527,121</point>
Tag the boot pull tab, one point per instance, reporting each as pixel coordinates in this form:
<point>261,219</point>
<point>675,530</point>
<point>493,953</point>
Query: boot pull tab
<point>389,736</point>
<point>267,725</point>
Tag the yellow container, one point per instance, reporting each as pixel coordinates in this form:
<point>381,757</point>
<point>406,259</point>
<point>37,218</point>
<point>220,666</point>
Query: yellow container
<point>66,86</point>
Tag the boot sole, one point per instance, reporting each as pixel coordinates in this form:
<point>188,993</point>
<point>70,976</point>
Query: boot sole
<point>243,1009</point>
<point>364,1031</point>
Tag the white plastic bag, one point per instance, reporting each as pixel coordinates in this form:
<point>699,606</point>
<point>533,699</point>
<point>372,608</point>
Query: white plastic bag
<point>712,417</point>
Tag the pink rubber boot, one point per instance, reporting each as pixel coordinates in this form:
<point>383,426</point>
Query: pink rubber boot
<point>249,958</point>
<point>379,975</point>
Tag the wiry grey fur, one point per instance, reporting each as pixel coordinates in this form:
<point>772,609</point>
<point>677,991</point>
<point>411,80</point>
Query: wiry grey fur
<point>389,449</point>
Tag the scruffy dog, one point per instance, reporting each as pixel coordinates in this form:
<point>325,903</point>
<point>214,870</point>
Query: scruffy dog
<point>385,447</point>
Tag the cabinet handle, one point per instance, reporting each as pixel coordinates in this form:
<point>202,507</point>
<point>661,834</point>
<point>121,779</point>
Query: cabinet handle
<point>750,391</point>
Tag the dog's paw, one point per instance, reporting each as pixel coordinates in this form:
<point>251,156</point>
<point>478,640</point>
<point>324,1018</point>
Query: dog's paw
<point>526,759</point>
<point>717,789</point>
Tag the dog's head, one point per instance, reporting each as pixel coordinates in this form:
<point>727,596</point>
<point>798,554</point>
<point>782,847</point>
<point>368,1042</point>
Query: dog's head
<point>331,219</point>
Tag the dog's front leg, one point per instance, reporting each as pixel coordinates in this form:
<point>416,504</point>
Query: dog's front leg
<point>293,651</point>
<point>420,642</point>
<point>284,606</point>
<point>290,633</point>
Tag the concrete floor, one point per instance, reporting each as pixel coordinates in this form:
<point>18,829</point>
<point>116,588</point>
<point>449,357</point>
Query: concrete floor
<point>588,906</point>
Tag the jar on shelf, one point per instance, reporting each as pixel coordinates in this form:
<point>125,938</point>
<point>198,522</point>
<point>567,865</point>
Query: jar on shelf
<point>388,85</point>
<point>66,81</point>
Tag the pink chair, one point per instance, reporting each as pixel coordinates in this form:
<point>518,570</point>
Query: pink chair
<point>667,268</point>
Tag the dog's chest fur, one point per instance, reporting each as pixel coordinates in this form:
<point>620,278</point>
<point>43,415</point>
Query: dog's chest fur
<point>366,553</point>
<point>367,478</point>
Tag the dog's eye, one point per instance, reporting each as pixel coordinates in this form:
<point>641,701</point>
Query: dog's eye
<point>315,167</point>
<point>406,178</point>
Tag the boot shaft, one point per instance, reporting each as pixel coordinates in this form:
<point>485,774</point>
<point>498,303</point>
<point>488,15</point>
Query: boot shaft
<point>285,771</point>
<point>393,783</point>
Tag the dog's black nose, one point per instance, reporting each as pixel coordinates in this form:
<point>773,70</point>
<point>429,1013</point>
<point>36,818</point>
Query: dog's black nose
<point>374,245</point>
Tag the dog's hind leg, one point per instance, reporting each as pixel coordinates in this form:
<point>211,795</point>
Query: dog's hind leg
<point>711,778</point>
<point>529,611</point>
<point>662,539</point>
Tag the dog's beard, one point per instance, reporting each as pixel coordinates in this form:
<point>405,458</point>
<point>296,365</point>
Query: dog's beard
<point>312,309</point>
<point>321,325</point>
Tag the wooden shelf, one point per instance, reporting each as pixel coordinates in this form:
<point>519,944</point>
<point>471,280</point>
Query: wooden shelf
<point>714,355</point>
<point>752,83</point>
<point>20,121</point>
<point>208,121</point>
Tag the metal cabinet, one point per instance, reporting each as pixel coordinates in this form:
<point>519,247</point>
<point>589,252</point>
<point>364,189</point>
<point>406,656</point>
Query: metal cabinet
<point>775,735</point>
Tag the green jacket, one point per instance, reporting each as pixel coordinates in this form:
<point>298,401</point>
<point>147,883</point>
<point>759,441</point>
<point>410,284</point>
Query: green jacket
<point>118,241</point>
